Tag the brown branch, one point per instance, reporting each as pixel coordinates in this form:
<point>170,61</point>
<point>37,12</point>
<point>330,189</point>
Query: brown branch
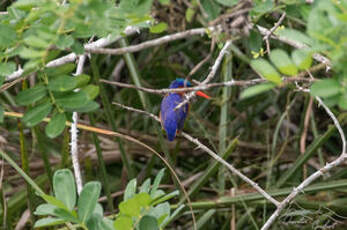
<point>269,33</point>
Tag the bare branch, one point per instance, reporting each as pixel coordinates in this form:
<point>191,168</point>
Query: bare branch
<point>269,33</point>
<point>211,153</point>
<point>210,75</point>
<point>150,43</point>
<point>207,86</point>
<point>74,136</point>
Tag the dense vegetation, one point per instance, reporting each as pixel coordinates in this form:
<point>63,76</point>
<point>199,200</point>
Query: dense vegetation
<point>82,81</point>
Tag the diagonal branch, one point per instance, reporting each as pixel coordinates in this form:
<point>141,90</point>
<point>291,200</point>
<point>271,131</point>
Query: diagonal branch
<point>210,152</point>
<point>212,73</point>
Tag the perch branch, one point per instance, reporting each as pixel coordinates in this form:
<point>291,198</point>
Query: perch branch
<point>210,152</point>
<point>210,75</point>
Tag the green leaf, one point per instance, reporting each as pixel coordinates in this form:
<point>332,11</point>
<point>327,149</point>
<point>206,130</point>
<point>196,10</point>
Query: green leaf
<point>146,185</point>
<point>91,90</point>
<point>72,100</point>
<point>302,59</point>
<point>53,201</point>
<point>295,35</point>
<point>64,186</point>
<point>77,48</point>
<point>7,68</point>
<point>189,14</point>
<point>67,215</point>
<point>82,80</point>
<point>87,108</point>
<point>31,53</point>
<point>158,28</point>
<point>264,68</point>
<point>143,199</point>
<point>107,224</point>
<point>56,126</point>
<point>282,62</point>
<point>211,8</point>
<point>36,42</point>
<point>227,2</point>
<point>8,36</point>
<point>48,221</point>
<point>164,2</point>
<point>93,222</point>
<point>148,222</point>
<point>36,114</point>
<point>343,101</point>
<point>130,189</point>
<point>130,207</point>
<point>165,198</point>
<point>64,42</point>
<point>87,200</point>
<point>257,89</point>
<point>45,209</point>
<point>325,88</point>
<point>156,182</point>
<point>123,223</point>
<point>60,70</point>
<point>1,114</point>
<point>29,96</point>
<point>62,83</point>
<point>160,212</point>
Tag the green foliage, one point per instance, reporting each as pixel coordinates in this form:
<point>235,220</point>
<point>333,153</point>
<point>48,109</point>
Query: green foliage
<point>38,30</point>
<point>264,68</point>
<point>147,209</point>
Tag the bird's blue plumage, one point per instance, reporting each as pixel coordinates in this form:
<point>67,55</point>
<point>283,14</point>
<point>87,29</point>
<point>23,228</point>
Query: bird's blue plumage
<point>173,120</point>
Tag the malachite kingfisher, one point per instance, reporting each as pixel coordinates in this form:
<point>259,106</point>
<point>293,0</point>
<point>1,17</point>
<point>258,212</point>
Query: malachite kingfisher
<point>172,120</point>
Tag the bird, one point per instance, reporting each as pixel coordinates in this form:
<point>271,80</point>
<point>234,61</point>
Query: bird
<point>171,119</point>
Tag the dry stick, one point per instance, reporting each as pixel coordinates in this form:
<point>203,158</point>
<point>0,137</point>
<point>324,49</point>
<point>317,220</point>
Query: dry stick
<point>210,75</point>
<point>72,56</point>
<point>150,43</point>
<point>295,44</point>
<point>207,86</point>
<point>266,37</point>
<point>304,133</point>
<point>74,136</point>
<point>210,152</point>
<point>315,175</point>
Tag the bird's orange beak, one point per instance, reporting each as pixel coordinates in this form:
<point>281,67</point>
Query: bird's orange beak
<point>201,94</point>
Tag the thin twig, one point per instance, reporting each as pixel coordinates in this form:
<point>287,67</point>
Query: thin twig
<point>74,136</point>
<point>295,44</point>
<point>207,86</point>
<point>210,75</point>
<point>266,37</point>
<point>210,152</point>
<point>150,43</point>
